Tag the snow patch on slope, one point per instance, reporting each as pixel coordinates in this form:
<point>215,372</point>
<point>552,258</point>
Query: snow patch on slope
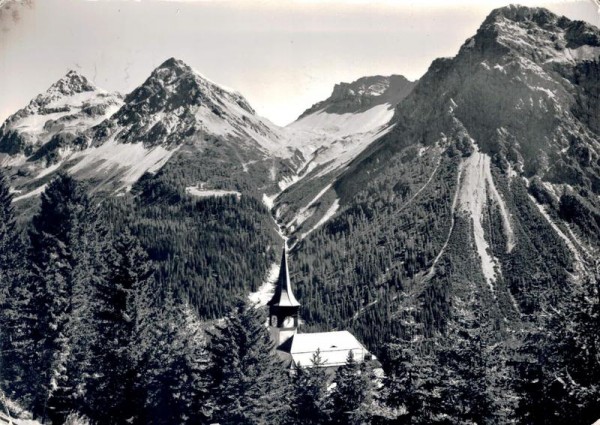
<point>339,125</point>
<point>336,139</point>
<point>328,214</point>
<point>305,212</point>
<point>265,291</point>
<point>560,233</point>
<point>477,186</point>
<point>33,193</point>
<point>133,158</point>
<point>200,192</point>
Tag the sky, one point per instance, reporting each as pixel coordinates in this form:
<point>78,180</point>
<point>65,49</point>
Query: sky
<point>282,55</point>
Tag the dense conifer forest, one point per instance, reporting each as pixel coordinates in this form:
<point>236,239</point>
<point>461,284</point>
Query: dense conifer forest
<point>91,331</point>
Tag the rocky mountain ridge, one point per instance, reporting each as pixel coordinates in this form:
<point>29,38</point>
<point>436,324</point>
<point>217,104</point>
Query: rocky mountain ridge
<point>363,94</point>
<point>56,117</point>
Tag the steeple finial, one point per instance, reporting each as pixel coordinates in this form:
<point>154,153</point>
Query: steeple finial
<point>283,296</point>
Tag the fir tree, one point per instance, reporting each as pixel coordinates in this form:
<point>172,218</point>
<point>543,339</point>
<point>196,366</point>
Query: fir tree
<point>463,360</point>
<point>119,297</point>
<point>558,362</point>
<point>173,372</point>
<point>309,403</point>
<point>352,396</point>
<point>249,383</point>
<point>412,382</point>
<point>13,295</point>
<point>65,260</point>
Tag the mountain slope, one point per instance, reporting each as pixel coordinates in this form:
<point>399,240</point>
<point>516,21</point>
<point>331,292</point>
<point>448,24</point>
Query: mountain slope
<point>487,184</point>
<point>329,135</point>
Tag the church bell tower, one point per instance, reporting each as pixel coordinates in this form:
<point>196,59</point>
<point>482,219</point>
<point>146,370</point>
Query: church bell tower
<point>283,307</point>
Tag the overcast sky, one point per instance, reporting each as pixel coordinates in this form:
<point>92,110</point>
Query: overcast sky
<point>282,55</point>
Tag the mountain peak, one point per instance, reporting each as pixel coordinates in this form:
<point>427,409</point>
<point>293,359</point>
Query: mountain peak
<point>518,13</point>
<point>363,94</point>
<point>73,82</point>
<point>174,84</point>
<point>536,34</point>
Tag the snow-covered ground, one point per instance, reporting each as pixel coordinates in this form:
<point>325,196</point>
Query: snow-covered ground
<point>264,293</point>
<point>200,192</point>
<point>133,159</point>
<point>336,139</point>
<point>340,125</point>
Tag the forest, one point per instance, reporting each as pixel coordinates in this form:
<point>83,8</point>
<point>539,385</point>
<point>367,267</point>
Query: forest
<point>92,332</point>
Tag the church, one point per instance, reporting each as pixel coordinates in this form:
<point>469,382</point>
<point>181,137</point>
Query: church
<point>299,348</point>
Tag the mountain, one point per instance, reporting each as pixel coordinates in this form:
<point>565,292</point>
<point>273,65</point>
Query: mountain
<point>481,173</point>
<point>329,135</point>
<point>182,160</point>
<point>45,128</point>
<point>362,95</point>
<point>112,141</point>
<point>485,183</point>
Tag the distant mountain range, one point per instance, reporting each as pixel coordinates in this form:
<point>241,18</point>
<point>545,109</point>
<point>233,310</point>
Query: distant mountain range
<point>483,175</point>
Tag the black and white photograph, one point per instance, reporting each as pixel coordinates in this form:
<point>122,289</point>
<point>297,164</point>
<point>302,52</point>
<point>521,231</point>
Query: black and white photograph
<point>299,212</point>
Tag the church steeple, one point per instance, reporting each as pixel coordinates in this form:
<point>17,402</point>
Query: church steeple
<point>283,296</point>
<point>283,307</point>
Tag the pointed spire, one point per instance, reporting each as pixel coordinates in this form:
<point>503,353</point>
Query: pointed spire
<point>283,296</point>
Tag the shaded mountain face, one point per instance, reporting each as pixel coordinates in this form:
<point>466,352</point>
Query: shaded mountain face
<point>486,184</point>
<point>524,87</point>
<point>46,128</point>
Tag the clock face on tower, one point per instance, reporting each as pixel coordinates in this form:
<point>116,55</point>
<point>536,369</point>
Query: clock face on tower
<point>288,322</point>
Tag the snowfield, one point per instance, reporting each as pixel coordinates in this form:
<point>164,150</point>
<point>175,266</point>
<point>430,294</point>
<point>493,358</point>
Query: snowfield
<point>335,139</point>
<point>133,159</point>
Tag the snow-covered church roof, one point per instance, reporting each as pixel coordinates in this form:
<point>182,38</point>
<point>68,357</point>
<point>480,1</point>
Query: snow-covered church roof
<point>333,347</point>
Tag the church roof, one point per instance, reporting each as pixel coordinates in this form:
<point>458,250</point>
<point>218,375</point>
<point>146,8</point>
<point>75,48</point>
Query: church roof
<point>333,347</point>
<point>283,296</point>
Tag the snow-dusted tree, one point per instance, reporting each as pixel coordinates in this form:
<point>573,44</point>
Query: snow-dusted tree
<point>309,403</point>
<point>249,383</point>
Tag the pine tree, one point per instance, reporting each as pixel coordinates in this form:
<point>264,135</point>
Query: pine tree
<point>462,356</point>
<point>249,383</point>
<point>111,396</point>
<point>352,396</point>
<point>412,382</point>
<point>558,361</point>
<point>173,368</point>
<point>12,296</point>
<point>66,265</point>
<point>309,403</point>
